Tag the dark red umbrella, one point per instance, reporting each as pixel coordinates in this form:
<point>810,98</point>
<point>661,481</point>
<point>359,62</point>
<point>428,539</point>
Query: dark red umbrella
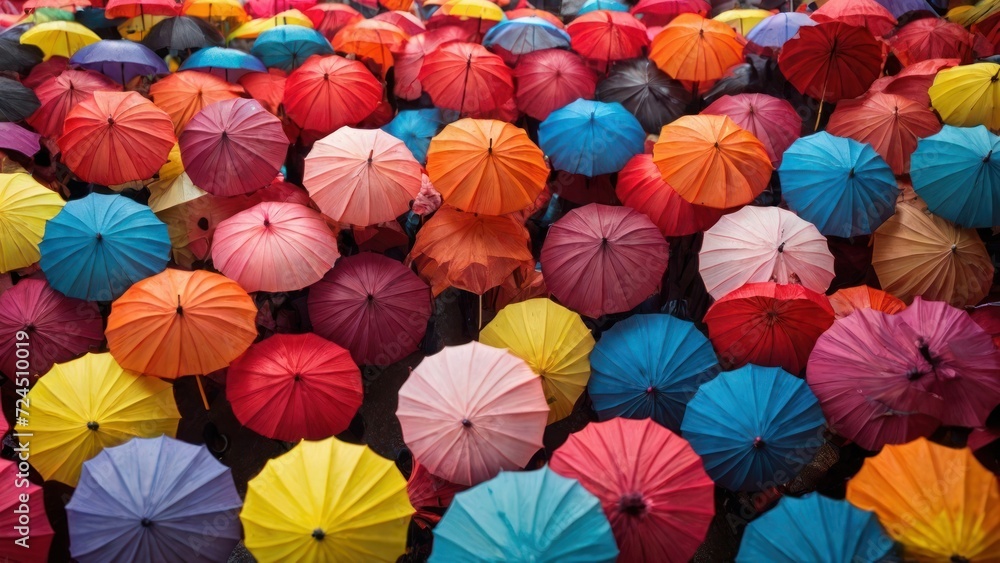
<point>913,81</point>
<point>581,189</point>
<point>549,79</point>
<point>429,494</point>
<point>467,78</point>
<point>326,93</point>
<point>772,120</point>
<point>988,318</point>
<point>933,38</point>
<point>641,187</point>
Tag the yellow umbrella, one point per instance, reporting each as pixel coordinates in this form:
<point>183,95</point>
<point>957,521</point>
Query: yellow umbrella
<point>253,28</point>
<point>743,20</point>
<point>25,206</point>
<point>215,9</point>
<point>83,406</point>
<point>939,502</point>
<point>327,501</point>
<point>968,15</point>
<point>135,29</point>
<point>554,341</point>
<point>173,186</point>
<point>59,38</point>
<point>473,9</point>
<point>968,95</point>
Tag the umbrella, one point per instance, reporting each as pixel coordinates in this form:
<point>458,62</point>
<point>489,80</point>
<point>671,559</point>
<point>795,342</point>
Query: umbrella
<point>15,138</point>
<point>914,81</point>
<point>267,88</point>
<point>987,316</point>
<point>485,13</point>
<point>467,78</point>
<point>743,20</point>
<point>774,121</point>
<point>900,7</point>
<point>774,31</point>
<point>25,207</point>
<point>850,299</point>
<point>760,244</point>
<point>218,10</point>
<point>599,259</point>
<point>135,29</point>
<point>917,253</point>
<point>253,28</point>
<point>372,305</point>
<point>59,328</point>
<point>416,128</point>
<point>429,494</point>
<point>696,49</point>
<point>553,341</point>
<point>768,324</point>
<point>964,95</point>
<point>119,60</point>
<point>471,411</point>
<point>14,56</point>
<point>293,387</point>
<point>185,93</point>
<point>16,100</point>
<point>525,516</point>
<point>891,124</point>
<point>361,176</point>
<point>139,8</point>
<point>486,166</point>
<point>326,93</point>
<point>840,185</point>
<point>228,64</point>
<point>13,504</point>
<point>932,38</point>
<point>514,38</point>
<point>550,17</point>
<point>648,366</point>
<point>327,501</point>
<point>182,33</point>
<point>958,499</point>
<point>646,92</point>
<point>274,246</point>
<point>641,187</point>
<point>154,498</point>
<point>955,173</point>
<point>661,12</point>
<point>609,5</point>
<point>173,186</point>
<point>399,17</point>
<point>550,79</point>
<point>275,8</point>
<point>371,40</point>
<point>116,137</point>
<point>331,18</point>
<point>869,14</point>
<point>233,147</point>
<point>59,38</point>
<point>83,406</point>
<point>847,533</point>
<point>590,138</point>
<point>61,93</point>
<point>605,37</point>
<point>710,160</point>
<point>98,246</point>
<point>754,428</point>
<point>181,323</point>
<point>652,486</point>
<point>288,46</point>
<point>409,58</point>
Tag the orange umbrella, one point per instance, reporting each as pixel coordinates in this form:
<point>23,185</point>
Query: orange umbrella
<point>370,39</point>
<point>268,88</point>
<point>850,299</point>
<point>711,161</point>
<point>185,93</point>
<point>696,49</point>
<point>486,166</point>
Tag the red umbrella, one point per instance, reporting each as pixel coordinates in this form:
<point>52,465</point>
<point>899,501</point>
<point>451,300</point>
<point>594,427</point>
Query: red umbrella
<point>862,13</point>
<point>11,499</point>
<point>372,305</point>
<point>772,120</point>
<point>410,24</point>
<point>549,79</point>
<point>61,93</point>
<point>326,93</point>
<point>988,318</point>
<point>768,324</point>
<point>139,8</point>
<point>641,187</point>
<point>604,36</point>
<point>410,58</point>
<point>46,70</point>
<point>581,189</point>
<point>331,18</point>
<point>913,81</point>
<point>467,78</point>
<point>599,259</point>
<point>430,495</point>
<point>660,12</point>
<point>58,328</point>
<point>932,38</point>
<point>651,484</point>
<point>294,387</point>
<point>268,88</point>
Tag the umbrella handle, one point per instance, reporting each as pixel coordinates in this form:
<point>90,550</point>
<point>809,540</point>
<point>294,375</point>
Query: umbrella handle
<point>201,389</point>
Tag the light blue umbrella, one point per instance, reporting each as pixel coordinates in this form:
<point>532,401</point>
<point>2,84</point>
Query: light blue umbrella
<point>774,31</point>
<point>754,427</point>
<point>525,35</point>
<point>228,64</point>
<point>838,184</point>
<point>607,5</point>
<point>288,46</point>
<point>535,516</point>
<point>97,247</point>
<point>591,138</point>
<point>415,127</point>
<point>817,529</point>
<point>649,366</point>
<point>957,172</point>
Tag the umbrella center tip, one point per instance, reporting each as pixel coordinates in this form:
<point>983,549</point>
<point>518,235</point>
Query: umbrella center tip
<point>851,173</point>
<point>650,390</point>
<point>29,327</point>
<point>781,247</point>
<point>758,443</point>
<point>93,426</point>
<point>146,522</point>
<point>958,558</point>
<point>633,504</point>
<point>371,298</point>
<point>100,237</point>
<point>111,120</point>
<point>318,534</point>
<point>297,377</point>
<point>466,423</point>
<point>267,222</point>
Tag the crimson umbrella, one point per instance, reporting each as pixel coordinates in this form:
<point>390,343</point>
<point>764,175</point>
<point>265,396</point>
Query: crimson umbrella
<point>605,37</point>
<point>549,79</point>
<point>467,78</point>
<point>60,93</point>
<point>410,57</point>
<point>641,187</point>
<point>862,13</point>
<point>933,38</point>
<point>988,318</point>
<point>599,259</point>
<point>773,121</point>
<point>913,81</point>
<point>646,92</point>
<point>660,12</point>
<point>326,93</point>
<point>429,494</point>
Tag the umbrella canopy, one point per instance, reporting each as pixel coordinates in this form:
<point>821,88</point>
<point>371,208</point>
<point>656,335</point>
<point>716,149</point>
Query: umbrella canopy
<point>225,11</point>
<point>372,305</point>
<point>754,427</point>
<point>987,316</point>
<point>743,20</point>
<point>15,138</point>
<point>831,61</point>
<point>846,301</point>
<point>416,128</point>
<point>119,60</point>
<point>161,325</point>
<point>471,411</point>
<point>275,8</point>
<point>371,40</point>
<point>641,187</point>
<point>591,138</point>
<point>25,207</point>
<point>760,244</point>
<point>774,31</point>
<point>409,58</point>
<point>268,89</point>
<point>696,49</point>
<point>331,18</point>
<point>83,406</point>
<point>604,37</point>
<point>153,498</point>
<point>522,516</point>
<point>293,387</point>
<point>599,259</point>
<point>652,486</point>
<point>60,93</point>
<point>550,79</point>
<point>98,246</point>
<point>594,5</point>
<point>959,500</point>
<point>228,64</point>
<point>868,14</point>
<point>326,93</point>
<point>253,28</point>
<point>964,95</point>
<point>59,38</point>
<point>710,160</point>
<point>646,92</point>
<point>513,38</point>
<point>847,534</point>
<point>288,46</point>
<point>429,494</point>
<point>185,93</point>
<point>182,33</point>
<point>467,78</point>
<point>840,185</point>
<point>772,120</point>
<point>16,100</point>
<point>932,38</point>
<point>661,12</point>
<point>553,341</point>
<point>327,501</point>
<point>14,56</point>
<point>361,176</point>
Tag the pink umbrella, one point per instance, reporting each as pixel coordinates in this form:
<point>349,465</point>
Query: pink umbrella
<point>233,147</point>
<point>471,411</point>
<point>888,379</point>
<point>599,259</point>
<point>274,246</point>
<point>373,306</point>
<point>410,57</point>
<point>55,328</point>
<point>772,120</point>
<point>760,244</point>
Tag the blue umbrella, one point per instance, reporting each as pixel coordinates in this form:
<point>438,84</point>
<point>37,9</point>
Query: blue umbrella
<point>840,185</point>
<point>608,5</point>
<point>815,528</point>
<point>525,35</point>
<point>754,427</point>
<point>154,499</point>
<point>957,172</point>
<point>415,127</point>
<point>591,138</point>
<point>774,31</point>
<point>649,366</point>
<point>536,516</point>
<point>228,64</point>
<point>98,246</point>
<point>119,60</point>
<point>288,46</point>
<point>93,19</point>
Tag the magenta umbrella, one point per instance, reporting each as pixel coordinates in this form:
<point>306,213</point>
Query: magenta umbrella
<point>772,120</point>
<point>16,138</point>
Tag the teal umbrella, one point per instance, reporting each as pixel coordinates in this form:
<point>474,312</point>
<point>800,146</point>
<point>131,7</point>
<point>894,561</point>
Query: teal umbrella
<point>288,46</point>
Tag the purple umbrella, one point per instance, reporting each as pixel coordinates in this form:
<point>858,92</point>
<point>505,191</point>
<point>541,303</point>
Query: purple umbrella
<point>13,137</point>
<point>119,60</point>
<point>154,499</point>
<point>899,7</point>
